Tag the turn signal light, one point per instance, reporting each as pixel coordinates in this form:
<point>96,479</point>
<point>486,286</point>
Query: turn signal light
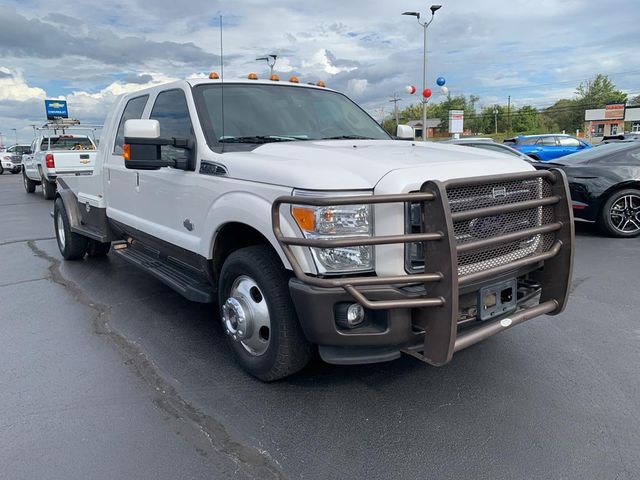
<point>214,76</point>
<point>320,83</point>
<point>252,76</point>
<point>126,151</point>
<point>274,78</point>
<point>304,217</point>
<point>294,80</point>
<point>49,161</point>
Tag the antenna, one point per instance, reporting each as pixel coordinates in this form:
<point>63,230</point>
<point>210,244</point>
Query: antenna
<point>222,84</point>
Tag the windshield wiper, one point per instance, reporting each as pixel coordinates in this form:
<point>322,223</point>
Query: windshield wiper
<point>347,137</point>
<point>257,139</point>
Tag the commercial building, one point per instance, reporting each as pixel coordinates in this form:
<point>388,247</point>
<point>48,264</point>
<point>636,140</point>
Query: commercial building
<point>611,120</point>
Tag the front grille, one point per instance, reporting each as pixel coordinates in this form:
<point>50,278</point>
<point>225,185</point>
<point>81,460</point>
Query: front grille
<point>471,197</point>
<point>16,159</point>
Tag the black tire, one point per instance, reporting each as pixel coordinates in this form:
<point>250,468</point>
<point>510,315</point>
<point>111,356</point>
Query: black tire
<point>29,185</point>
<point>288,350</point>
<point>48,189</point>
<point>98,249</point>
<point>613,220</point>
<point>73,246</point>
<point>15,170</point>
<point>1,169</point>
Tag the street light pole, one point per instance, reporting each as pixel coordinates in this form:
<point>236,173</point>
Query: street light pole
<point>424,25</point>
<point>495,117</point>
<point>15,131</point>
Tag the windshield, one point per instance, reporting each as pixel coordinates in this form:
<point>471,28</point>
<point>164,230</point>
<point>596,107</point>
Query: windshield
<point>67,143</point>
<point>588,155</point>
<point>274,113</point>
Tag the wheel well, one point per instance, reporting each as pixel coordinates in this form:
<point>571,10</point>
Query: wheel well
<point>616,188</point>
<point>231,237</point>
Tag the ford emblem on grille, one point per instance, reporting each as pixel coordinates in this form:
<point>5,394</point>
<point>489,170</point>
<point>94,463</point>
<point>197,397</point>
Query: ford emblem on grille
<point>483,227</point>
<point>499,192</point>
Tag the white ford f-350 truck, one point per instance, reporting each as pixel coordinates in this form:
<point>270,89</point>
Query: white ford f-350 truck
<point>310,226</point>
<point>54,152</point>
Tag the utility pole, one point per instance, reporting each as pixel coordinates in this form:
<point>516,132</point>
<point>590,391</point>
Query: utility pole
<point>395,101</point>
<point>15,131</point>
<point>33,125</point>
<point>495,117</point>
<point>509,113</point>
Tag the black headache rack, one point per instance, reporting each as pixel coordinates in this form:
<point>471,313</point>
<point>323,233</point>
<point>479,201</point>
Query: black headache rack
<point>472,229</point>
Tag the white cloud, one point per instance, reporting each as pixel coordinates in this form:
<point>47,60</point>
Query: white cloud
<point>13,87</point>
<point>357,86</point>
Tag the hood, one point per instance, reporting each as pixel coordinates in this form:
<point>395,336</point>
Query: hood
<point>361,164</point>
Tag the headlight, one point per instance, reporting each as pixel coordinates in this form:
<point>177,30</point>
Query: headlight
<point>337,222</point>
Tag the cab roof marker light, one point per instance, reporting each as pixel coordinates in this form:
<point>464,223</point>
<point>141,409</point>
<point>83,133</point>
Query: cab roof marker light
<point>320,83</point>
<point>214,76</point>
<point>252,76</point>
<point>274,78</point>
<point>294,79</point>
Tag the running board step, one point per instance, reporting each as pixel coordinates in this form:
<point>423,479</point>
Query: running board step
<point>183,280</point>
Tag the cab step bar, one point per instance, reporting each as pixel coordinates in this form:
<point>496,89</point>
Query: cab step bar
<point>184,280</point>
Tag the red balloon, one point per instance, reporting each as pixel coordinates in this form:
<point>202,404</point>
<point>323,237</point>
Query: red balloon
<point>426,93</point>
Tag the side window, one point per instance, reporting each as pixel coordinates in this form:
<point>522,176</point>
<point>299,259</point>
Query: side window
<point>133,110</point>
<point>171,110</point>
<point>569,142</point>
<point>547,141</point>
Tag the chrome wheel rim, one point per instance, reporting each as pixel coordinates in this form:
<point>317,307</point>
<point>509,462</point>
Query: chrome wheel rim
<point>60,230</point>
<point>245,316</point>
<point>24,181</point>
<point>625,214</point>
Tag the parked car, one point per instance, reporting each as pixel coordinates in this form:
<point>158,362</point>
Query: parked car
<point>489,144</point>
<point>54,154</point>
<point>273,218</point>
<point>605,186</point>
<point>11,159</point>
<point>547,147</point>
<point>624,137</point>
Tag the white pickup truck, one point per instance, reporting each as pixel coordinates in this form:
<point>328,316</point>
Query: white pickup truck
<point>311,227</point>
<point>11,159</point>
<point>54,154</point>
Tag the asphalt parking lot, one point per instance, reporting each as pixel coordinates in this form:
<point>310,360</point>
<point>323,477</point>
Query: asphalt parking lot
<point>107,373</point>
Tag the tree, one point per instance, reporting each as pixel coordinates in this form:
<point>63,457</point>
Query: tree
<point>525,119</point>
<point>635,101</point>
<point>598,91</point>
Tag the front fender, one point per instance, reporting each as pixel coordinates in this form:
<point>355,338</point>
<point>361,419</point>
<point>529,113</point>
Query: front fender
<point>254,211</point>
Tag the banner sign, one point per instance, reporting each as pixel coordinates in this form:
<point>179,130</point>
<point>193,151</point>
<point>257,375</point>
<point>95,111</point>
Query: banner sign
<point>56,109</point>
<point>614,111</point>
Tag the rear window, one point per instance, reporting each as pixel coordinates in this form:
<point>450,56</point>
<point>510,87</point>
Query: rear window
<point>67,143</point>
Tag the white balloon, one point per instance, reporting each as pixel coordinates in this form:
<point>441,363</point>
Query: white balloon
<point>444,90</point>
<point>410,89</point>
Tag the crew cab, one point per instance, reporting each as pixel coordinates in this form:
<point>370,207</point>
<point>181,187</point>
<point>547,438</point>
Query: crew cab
<point>292,209</point>
<point>11,159</point>
<point>54,154</point>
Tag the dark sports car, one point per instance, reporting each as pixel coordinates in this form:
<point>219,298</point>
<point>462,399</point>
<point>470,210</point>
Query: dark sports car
<point>605,186</point>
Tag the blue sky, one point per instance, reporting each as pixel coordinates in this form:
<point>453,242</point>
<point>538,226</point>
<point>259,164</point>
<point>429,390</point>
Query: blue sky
<point>90,51</point>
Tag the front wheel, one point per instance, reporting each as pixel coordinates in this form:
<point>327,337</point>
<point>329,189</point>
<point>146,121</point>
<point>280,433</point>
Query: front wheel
<point>29,185</point>
<point>258,315</point>
<point>620,214</point>
<point>72,246</point>
<point>48,189</point>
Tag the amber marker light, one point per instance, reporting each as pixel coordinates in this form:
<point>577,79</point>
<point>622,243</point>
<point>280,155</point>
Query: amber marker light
<point>274,78</point>
<point>320,83</point>
<point>304,217</point>
<point>252,76</point>
<point>294,80</point>
<point>126,151</point>
<point>214,76</point>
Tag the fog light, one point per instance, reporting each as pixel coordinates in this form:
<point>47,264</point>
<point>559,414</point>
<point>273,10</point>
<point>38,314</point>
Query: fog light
<point>355,315</point>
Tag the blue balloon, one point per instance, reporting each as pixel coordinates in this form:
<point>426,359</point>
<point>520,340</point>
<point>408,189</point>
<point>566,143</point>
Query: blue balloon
<point>441,81</point>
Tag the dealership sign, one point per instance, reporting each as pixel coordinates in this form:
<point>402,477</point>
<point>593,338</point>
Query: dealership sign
<point>56,109</point>
<point>614,111</point>
<point>456,121</point>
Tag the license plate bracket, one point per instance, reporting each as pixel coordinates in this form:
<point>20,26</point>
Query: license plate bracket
<point>497,299</point>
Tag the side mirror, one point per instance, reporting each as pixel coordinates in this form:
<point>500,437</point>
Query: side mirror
<point>405,132</point>
<point>142,148</point>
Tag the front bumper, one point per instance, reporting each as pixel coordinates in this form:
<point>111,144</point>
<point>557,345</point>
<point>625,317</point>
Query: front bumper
<point>421,311</point>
